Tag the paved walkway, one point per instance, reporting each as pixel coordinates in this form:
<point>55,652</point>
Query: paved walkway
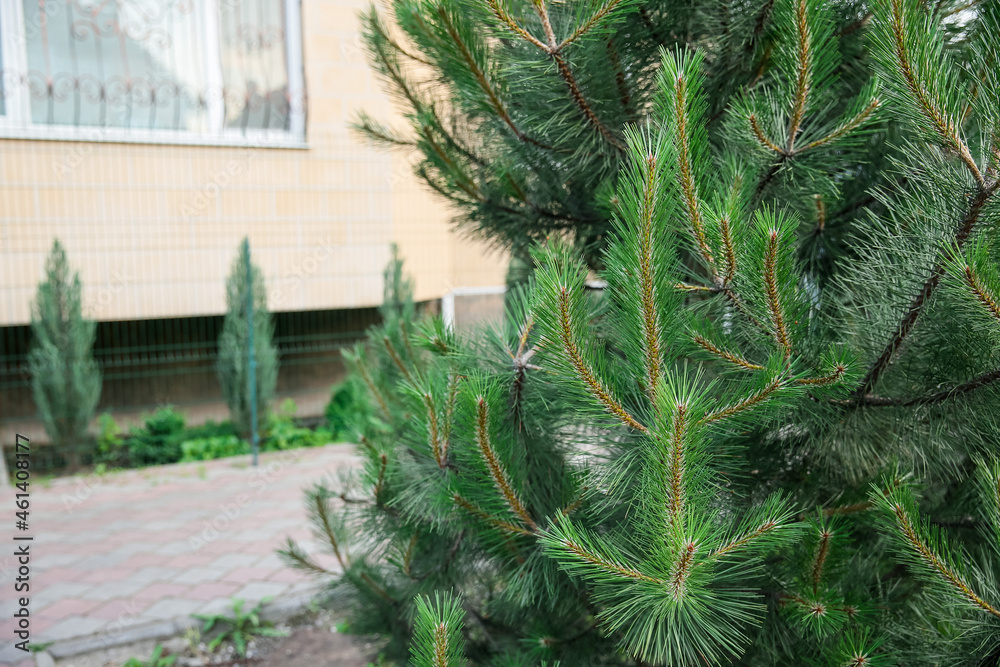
<point>161,543</point>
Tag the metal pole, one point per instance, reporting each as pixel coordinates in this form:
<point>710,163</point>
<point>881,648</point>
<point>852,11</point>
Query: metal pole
<point>251,357</point>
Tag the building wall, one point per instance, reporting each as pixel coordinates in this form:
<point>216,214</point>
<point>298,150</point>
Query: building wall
<point>153,228</point>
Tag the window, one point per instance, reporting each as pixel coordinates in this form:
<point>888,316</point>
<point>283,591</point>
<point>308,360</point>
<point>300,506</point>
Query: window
<point>147,70</point>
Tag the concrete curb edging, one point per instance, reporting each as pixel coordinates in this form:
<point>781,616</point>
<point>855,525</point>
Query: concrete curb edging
<point>276,611</point>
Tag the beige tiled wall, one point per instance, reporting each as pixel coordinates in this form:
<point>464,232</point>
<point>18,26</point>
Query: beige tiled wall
<point>153,228</point>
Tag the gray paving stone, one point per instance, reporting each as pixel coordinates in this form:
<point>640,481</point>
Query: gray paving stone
<point>154,573</point>
<point>169,524</point>
<point>198,575</point>
<point>170,608</point>
<point>52,594</point>
<point>10,655</point>
<point>101,561</point>
<point>71,626</point>
<point>253,535</point>
<point>232,561</point>
<point>115,589</point>
<point>174,548</point>
<point>49,561</point>
<point>116,526</point>
<point>132,548</point>
<point>270,561</point>
<point>216,606</point>
<point>258,590</point>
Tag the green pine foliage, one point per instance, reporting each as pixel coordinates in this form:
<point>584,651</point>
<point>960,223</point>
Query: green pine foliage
<point>438,633</point>
<point>234,362</point>
<point>519,109</point>
<point>771,437</point>
<point>65,380</point>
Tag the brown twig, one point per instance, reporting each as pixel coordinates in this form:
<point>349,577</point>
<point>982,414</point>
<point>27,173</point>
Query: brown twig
<point>916,308</point>
<point>584,372</point>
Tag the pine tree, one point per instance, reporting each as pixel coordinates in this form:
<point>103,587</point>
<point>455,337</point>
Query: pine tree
<point>234,359</point>
<point>519,109</point>
<point>769,439</point>
<point>65,380</point>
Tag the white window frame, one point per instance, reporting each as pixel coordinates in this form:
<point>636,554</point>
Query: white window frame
<point>16,122</point>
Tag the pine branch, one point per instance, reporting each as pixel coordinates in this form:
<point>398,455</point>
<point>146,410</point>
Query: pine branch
<point>729,251</point>
<point>912,314</point>
<point>482,514</point>
<point>522,341</point>
<point>573,506</point>
<point>590,23</point>
<point>682,570</point>
<point>933,561</point>
<point>438,639</point>
<point>543,15</point>
<point>746,404</point>
<point>408,556</point>
<point>820,216</point>
<point>685,287</point>
<point>551,49</point>
<point>482,79</point>
<point>803,80</point>
<point>676,468</point>
<point>396,359</point>
<point>744,540</point>
<point>762,138</point>
<point>688,186</point>
<point>500,11</point>
<point>732,358</point>
<point>432,430</point>
<point>848,509</point>
<point>387,63</point>
<point>819,559</point>
<point>607,565</point>
<point>983,295</point>
<point>321,514</point>
<point>967,387</point>
<point>766,180</point>
<point>838,372</point>
<point>449,413</point>
<point>848,126</point>
<point>367,378</point>
<point>624,94</point>
<point>583,370</point>
<point>296,557</point>
<point>771,292</point>
<point>581,102</point>
<point>441,645</point>
<point>495,467</point>
<point>378,132</point>
<point>931,108</point>
<point>647,298</point>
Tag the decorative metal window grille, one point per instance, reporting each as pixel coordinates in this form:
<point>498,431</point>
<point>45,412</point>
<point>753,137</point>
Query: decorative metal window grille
<point>170,70</point>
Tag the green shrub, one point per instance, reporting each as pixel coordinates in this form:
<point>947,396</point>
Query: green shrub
<point>158,441</point>
<point>239,628</point>
<point>216,447</point>
<point>110,446</point>
<point>155,660</point>
<point>283,433</point>
<point>349,411</point>
<point>210,429</point>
